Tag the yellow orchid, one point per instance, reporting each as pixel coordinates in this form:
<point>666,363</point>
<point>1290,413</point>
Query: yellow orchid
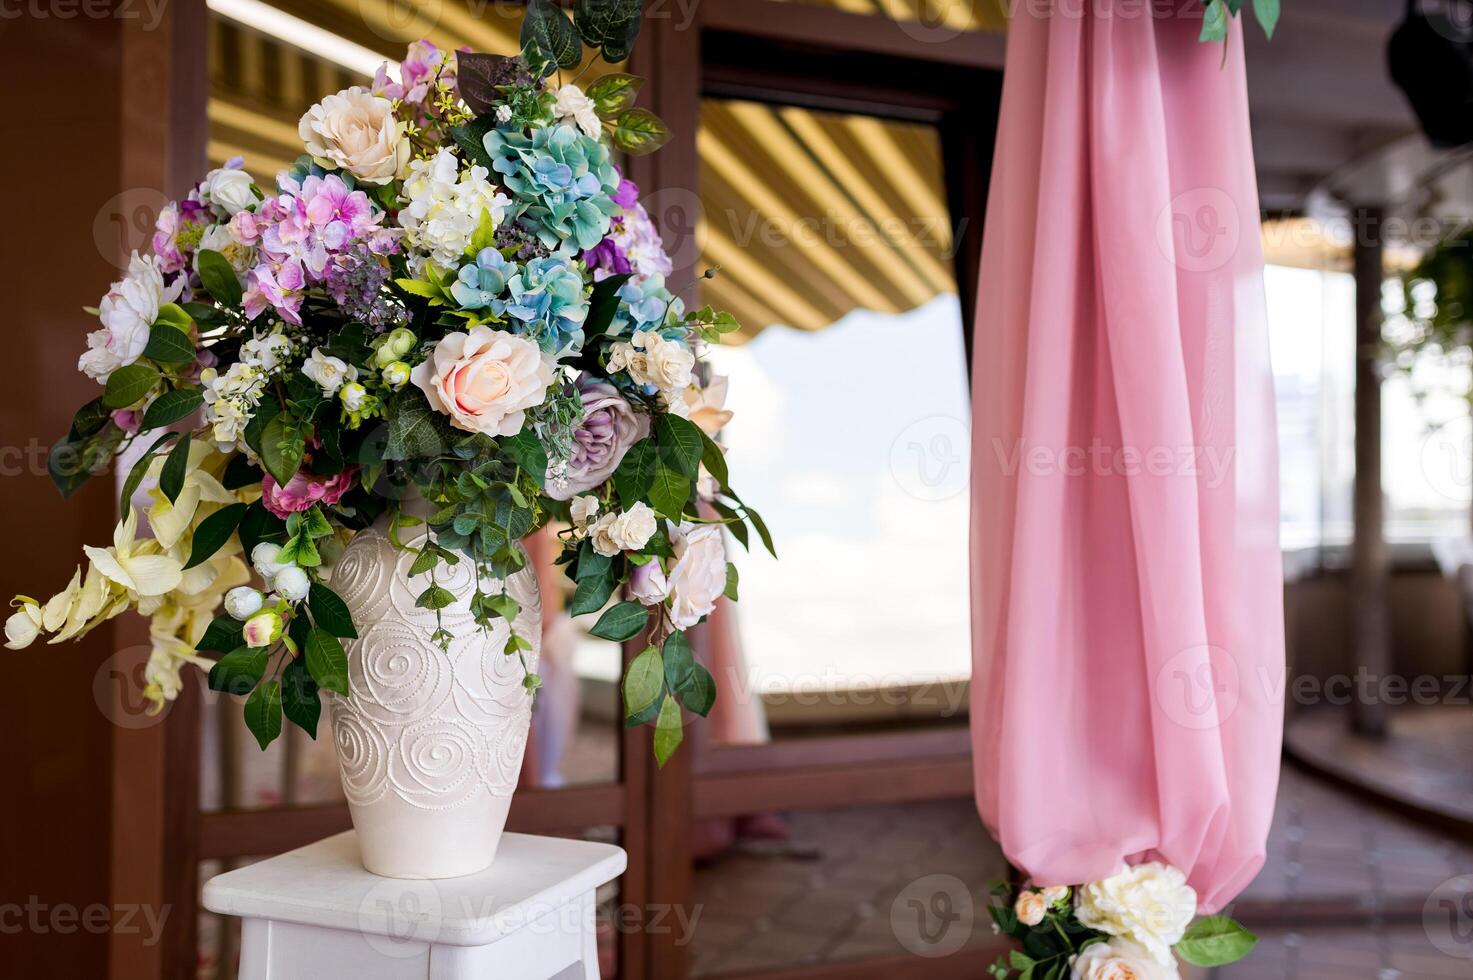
<point>180,622</point>
<point>136,565</point>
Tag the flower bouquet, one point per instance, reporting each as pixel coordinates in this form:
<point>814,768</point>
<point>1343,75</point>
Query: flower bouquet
<point>1132,926</point>
<point>452,314</point>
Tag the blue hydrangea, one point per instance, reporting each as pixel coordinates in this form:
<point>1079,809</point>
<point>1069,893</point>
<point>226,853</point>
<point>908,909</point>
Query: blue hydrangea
<point>562,183</point>
<point>645,304</point>
<point>548,303</point>
<point>480,284</point>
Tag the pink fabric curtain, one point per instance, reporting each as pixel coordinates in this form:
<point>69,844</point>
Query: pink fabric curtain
<point>1127,597</point>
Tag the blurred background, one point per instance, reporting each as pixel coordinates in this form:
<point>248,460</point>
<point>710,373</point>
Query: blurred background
<point>831,160</point>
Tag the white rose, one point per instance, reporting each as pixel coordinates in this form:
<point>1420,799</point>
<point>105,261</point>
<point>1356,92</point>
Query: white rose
<point>633,529</point>
<point>23,626</point>
<point>356,131</point>
<point>1057,893</point>
<point>582,509</point>
<point>573,105</point>
<point>667,363</point>
<point>229,189</point>
<point>330,373</point>
<point>243,602</point>
<point>699,575</point>
<point>1151,904</point>
<point>485,380</point>
<point>1121,959</point>
<point>601,533</point>
<point>292,584</point>
<point>127,313</point>
<point>1030,908</point>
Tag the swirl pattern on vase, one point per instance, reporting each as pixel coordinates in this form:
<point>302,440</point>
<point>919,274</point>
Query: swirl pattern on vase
<point>435,728</point>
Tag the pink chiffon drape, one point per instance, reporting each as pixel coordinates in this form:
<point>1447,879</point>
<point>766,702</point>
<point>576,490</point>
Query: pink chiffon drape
<point>1127,596</point>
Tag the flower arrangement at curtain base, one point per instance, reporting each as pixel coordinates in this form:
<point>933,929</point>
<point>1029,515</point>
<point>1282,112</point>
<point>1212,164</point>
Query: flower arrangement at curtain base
<point>1132,926</point>
<point>454,299</point>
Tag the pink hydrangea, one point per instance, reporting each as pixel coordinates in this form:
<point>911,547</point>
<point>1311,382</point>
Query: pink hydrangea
<point>302,491</point>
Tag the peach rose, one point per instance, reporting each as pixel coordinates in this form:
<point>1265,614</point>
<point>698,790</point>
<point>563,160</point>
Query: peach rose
<point>485,380</point>
<point>1030,908</point>
<point>356,131</point>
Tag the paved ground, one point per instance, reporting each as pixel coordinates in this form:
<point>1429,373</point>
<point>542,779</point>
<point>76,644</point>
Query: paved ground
<point>1341,898</point>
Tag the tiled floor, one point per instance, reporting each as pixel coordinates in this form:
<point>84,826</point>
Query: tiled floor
<point>1341,897</point>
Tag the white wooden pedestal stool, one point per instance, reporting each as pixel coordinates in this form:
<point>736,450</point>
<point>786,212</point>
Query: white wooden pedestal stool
<point>316,914</point>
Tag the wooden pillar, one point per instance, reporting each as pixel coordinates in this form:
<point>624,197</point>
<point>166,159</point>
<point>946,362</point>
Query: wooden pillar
<point>1370,563</point>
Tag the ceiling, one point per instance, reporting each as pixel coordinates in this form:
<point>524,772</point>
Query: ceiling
<point>1319,93</point>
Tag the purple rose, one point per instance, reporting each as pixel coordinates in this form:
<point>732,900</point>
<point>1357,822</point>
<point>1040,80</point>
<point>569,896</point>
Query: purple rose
<point>610,426</point>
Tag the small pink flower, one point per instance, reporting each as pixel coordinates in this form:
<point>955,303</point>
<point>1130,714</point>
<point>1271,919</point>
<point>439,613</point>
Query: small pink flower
<point>302,491</point>
<point>127,419</point>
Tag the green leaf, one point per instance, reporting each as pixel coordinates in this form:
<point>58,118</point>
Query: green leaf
<point>713,459</point>
<point>599,21</point>
<point>412,432</point>
<point>330,612</point>
<point>427,558</point>
<point>638,131</point>
<point>731,582</point>
<point>435,597</point>
<point>476,79</point>
<point>526,449</point>
<point>699,692</point>
<point>1214,22</point>
<point>1215,941</point>
<point>139,470</point>
<point>591,563</point>
<point>213,532</point>
<point>223,634</point>
<point>316,523</point>
<point>591,594</point>
<point>1267,12</point>
<point>547,27</point>
<point>635,473</point>
<point>258,525</point>
<point>668,731</point>
<point>239,671</point>
<point>263,712</point>
<point>621,621</point>
<point>620,41</point>
<point>614,92</point>
<point>219,278</point>
<point>176,467</point>
<point>300,699</point>
<point>282,449</point>
<point>326,661</point>
<point>643,682</point>
<point>418,287</point>
<point>603,304</point>
<point>90,418</point>
<point>172,406</point>
<point>169,345</point>
<point>470,137</point>
<point>680,442</point>
<point>128,385</point>
<point>679,660</point>
<point>669,491</point>
<point>300,550</point>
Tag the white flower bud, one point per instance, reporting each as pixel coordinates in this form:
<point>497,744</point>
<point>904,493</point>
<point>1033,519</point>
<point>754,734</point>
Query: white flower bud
<point>291,583</point>
<point>263,559</point>
<point>396,375</point>
<point>353,395</point>
<point>243,602</point>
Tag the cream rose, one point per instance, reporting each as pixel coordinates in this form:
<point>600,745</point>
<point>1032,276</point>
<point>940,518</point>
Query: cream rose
<point>1150,904</point>
<point>699,575</point>
<point>229,189</point>
<point>667,363</point>
<point>356,131</point>
<point>1030,908</point>
<point>581,510</point>
<point>648,583</point>
<point>601,533</point>
<point>1120,959</point>
<point>485,380</point>
<point>633,529</point>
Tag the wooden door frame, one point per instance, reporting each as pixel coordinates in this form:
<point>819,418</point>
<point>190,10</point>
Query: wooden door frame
<point>820,58</point>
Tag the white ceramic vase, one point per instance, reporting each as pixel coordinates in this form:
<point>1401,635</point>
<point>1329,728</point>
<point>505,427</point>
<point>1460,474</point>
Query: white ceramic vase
<point>429,741</point>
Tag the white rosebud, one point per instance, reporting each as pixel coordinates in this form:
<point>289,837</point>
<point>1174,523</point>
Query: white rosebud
<point>263,560</point>
<point>582,509</point>
<point>633,529</point>
<point>243,602</point>
<point>396,375</point>
<point>292,584</point>
<point>353,396</point>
